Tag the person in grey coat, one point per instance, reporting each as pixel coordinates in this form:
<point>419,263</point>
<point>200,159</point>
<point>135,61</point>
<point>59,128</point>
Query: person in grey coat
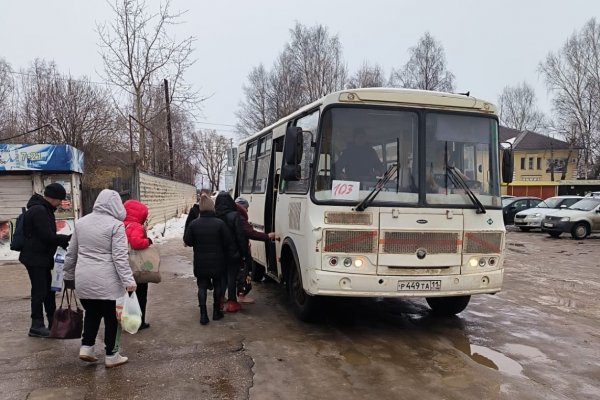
<point>97,265</point>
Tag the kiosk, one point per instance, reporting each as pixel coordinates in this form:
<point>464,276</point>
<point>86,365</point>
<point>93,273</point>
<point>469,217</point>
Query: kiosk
<point>26,169</point>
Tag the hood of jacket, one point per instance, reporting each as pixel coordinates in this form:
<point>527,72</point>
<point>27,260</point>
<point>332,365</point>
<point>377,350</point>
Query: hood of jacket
<point>136,211</point>
<point>109,202</point>
<point>224,204</point>
<point>242,210</point>
<point>38,200</point>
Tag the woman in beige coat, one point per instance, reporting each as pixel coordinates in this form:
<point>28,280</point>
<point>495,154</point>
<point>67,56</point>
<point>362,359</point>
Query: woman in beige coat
<point>97,265</point>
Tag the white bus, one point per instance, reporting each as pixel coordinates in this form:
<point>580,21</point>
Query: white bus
<point>379,192</point>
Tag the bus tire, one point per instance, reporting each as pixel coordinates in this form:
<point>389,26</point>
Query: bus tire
<point>448,306</point>
<point>303,305</point>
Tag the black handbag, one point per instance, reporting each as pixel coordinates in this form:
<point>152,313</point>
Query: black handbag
<point>68,322</point>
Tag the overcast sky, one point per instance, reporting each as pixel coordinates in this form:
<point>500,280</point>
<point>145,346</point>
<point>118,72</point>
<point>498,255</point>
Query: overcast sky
<point>488,44</point>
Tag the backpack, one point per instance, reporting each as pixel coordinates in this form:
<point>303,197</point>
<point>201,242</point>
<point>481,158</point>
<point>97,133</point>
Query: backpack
<point>17,241</point>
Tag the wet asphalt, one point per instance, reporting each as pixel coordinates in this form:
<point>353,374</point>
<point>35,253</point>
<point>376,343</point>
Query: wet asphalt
<point>537,339</point>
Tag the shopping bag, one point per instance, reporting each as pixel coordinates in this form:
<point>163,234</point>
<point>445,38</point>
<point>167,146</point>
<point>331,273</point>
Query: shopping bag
<point>57,272</point>
<point>145,265</point>
<point>131,316</point>
<point>68,322</point>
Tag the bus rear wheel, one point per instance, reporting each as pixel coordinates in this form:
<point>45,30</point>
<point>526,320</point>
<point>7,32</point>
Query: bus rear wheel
<point>303,305</point>
<point>448,306</point>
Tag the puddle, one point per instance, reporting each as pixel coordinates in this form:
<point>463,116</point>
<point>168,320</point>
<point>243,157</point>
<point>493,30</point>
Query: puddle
<point>492,359</point>
<point>355,357</point>
<point>529,352</point>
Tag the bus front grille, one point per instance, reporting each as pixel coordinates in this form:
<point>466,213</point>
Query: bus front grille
<point>344,241</point>
<point>483,242</point>
<point>410,242</point>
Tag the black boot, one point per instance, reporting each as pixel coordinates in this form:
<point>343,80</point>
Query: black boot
<point>203,315</point>
<point>38,329</point>
<point>217,314</point>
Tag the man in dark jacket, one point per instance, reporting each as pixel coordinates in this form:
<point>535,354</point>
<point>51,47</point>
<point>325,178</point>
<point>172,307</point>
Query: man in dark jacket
<point>38,254</point>
<point>227,211</point>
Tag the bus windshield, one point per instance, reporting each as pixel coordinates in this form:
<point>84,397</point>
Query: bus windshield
<point>358,145</point>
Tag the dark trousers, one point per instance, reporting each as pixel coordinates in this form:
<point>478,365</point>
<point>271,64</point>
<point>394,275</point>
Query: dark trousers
<point>142,294</point>
<point>229,281</point>
<point>41,295</point>
<point>202,291</point>
<point>95,310</point>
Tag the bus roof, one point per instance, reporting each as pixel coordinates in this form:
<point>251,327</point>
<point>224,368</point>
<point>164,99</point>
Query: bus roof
<point>404,97</point>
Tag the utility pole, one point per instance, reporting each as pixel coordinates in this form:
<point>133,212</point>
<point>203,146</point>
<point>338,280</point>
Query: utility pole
<point>169,131</point>
<point>551,161</point>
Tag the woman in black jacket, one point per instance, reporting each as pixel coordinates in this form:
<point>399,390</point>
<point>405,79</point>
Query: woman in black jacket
<point>228,212</point>
<point>213,249</point>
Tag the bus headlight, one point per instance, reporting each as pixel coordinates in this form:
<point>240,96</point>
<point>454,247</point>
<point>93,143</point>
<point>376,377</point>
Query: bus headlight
<point>473,262</point>
<point>347,262</point>
<point>358,263</point>
<point>482,262</point>
<point>333,261</point>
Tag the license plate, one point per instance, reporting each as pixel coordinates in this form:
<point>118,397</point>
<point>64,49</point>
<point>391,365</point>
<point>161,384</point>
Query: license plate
<point>420,285</point>
<point>547,225</point>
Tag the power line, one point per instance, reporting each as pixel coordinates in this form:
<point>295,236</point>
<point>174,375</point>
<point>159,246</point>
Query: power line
<point>25,133</point>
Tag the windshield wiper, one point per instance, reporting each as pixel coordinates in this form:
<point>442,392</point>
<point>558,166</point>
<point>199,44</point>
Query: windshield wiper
<point>366,202</point>
<point>458,180</point>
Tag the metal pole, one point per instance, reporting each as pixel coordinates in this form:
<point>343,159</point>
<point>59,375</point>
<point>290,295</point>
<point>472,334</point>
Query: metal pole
<point>169,131</point>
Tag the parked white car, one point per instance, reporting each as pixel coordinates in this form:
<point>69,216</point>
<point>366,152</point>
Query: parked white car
<point>532,217</point>
<point>581,219</point>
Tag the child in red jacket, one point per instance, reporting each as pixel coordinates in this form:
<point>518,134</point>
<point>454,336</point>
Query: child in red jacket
<point>137,213</point>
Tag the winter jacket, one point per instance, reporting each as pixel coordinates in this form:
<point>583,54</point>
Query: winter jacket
<point>97,257</point>
<point>136,214</point>
<point>193,214</point>
<point>249,231</point>
<point>40,232</point>
<point>226,210</point>
<point>213,245</point>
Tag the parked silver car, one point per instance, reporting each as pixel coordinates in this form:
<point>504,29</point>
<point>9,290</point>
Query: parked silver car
<point>581,219</point>
<point>532,217</point>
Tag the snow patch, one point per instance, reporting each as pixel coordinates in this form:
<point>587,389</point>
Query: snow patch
<point>173,228</point>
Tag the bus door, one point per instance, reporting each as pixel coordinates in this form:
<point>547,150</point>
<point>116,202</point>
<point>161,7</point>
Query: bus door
<point>271,203</point>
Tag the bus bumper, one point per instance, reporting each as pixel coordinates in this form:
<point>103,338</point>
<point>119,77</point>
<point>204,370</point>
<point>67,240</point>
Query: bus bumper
<point>326,283</point>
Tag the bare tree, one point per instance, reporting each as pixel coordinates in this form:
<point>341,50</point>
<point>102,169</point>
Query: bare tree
<point>254,113</point>
<point>317,57</point>
<point>309,67</point>
<point>367,76</point>
<point>138,52</point>
<point>286,90</point>
<point>210,150</point>
<point>426,69</point>
<point>572,75</point>
<point>7,91</point>
<point>34,106</point>
<point>518,108</point>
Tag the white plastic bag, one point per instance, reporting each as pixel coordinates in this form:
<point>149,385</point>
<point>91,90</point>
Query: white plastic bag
<point>57,272</point>
<point>131,316</point>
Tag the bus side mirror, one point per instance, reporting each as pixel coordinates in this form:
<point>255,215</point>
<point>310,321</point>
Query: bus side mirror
<point>507,166</point>
<point>292,154</point>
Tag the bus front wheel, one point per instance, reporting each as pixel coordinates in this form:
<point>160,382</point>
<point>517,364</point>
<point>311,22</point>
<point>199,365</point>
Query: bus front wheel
<point>448,306</point>
<point>304,306</point>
